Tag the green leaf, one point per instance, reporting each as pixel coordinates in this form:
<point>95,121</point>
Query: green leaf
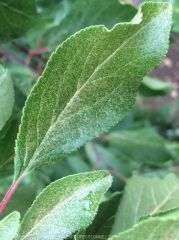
<point>6,97</point>
<point>7,144</point>
<point>9,226</point>
<point>154,228</point>
<point>105,217</point>
<point>90,83</point>
<point>142,145</point>
<point>16,18</point>
<point>152,87</point>
<point>146,196</point>
<point>23,78</point>
<point>98,12</point>
<point>175,27</point>
<point>65,206</point>
<point>175,3</point>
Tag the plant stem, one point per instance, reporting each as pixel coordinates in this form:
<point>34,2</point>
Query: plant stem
<point>9,193</point>
<point>37,51</point>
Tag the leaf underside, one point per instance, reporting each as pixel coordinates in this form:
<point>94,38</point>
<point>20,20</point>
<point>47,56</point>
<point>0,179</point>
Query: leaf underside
<point>154,228</point>
<point>146,197</point>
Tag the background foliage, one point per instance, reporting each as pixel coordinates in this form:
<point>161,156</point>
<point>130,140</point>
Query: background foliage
<point>141,152</point>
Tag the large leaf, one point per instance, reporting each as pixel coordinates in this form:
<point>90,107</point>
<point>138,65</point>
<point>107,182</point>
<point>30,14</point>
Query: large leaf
<point>154,228</point>
<point>15,18</point>
<point>98,12</point>
<point>9,226</point>
<point>6,96</point>
<point>65,206</point>
<point>89,84</point>
<point>143,197</point>
<point>142,145</point>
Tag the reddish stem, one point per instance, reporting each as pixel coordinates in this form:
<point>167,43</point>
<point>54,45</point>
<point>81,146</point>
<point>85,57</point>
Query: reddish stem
<point>38,51</point>
<point>9,194</point>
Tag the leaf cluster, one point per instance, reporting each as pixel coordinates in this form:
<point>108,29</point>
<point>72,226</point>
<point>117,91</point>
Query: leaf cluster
<point>93,164</point>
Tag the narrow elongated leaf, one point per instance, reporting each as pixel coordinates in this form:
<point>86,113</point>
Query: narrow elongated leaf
<point>6,97</point>
<point>65,206</point>
<point>15,18</point>
<point>96,12</point>
<point>143,197</point>
<point>154,228</point>
<point>9,226</point>
<point>89,84</point>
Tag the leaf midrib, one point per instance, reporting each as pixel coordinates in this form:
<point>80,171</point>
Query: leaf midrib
<point>142,28</point>
<point>165,200</point>
<point>159,205</point>
<point>63,202</point>
<point>88,107</point>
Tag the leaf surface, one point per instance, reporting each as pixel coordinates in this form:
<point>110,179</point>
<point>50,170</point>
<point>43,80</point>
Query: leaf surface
<point>154,228</point>
<point>6,97</point>
<point>65,206</point>
<point>15,18</point>
<point>89,84</point>
<point>9,226</point>
<point>7,144</point>
<point>144,196</point>
<point>175,3</point>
